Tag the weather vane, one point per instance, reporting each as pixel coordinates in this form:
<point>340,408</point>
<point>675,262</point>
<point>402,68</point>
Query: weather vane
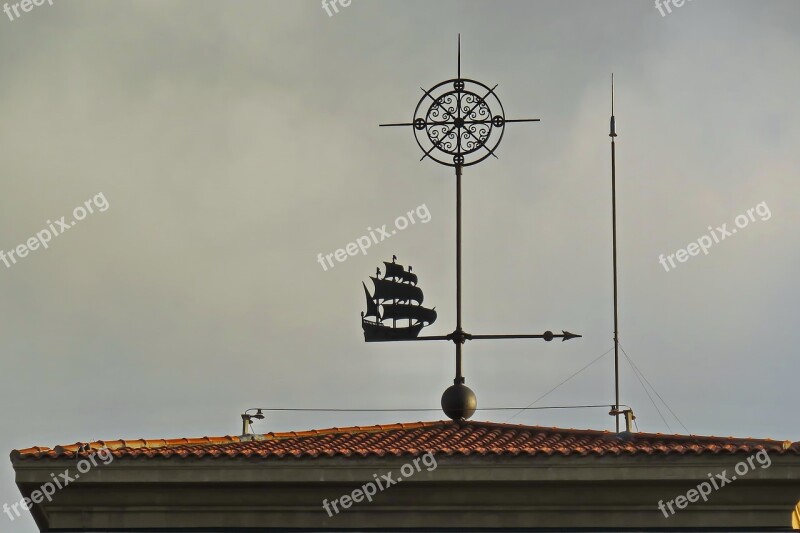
<point>457,123</point>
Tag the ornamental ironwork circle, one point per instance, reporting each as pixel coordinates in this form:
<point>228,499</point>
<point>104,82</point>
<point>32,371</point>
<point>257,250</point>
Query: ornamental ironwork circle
<point>459,122</point>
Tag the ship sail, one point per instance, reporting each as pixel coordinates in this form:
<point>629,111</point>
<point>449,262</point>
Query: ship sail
<point>372,307</point>
<point>396,271</point>
<point>391,290</point>
<point>393,270</point>
<point>406,311</point>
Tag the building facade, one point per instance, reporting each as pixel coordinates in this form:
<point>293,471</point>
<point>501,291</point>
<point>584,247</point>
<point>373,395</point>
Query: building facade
<point>427,475</point>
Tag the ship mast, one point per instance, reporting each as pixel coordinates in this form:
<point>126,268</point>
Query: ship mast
<point>394,302</point>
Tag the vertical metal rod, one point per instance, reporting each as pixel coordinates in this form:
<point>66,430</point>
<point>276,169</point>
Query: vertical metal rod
<point>458,341</point>
<point>613,134</point>
<point>459,56</point>
<point>459,378</point>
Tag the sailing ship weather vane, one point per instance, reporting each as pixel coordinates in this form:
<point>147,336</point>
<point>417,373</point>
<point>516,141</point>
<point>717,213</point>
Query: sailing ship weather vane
<point>457,123</point>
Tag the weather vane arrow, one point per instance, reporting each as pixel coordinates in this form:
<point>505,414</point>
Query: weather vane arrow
<point>547,336</point>
<point>457,123</point>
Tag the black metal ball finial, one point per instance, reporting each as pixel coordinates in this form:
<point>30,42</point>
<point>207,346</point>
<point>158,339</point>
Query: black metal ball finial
<point>459,402</point>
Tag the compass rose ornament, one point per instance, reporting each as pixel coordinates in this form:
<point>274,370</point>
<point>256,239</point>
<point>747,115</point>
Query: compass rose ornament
<point>457,123</point>
<point>459,127</point>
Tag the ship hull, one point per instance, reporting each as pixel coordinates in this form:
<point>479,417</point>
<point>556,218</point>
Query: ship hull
<point>374,332</point>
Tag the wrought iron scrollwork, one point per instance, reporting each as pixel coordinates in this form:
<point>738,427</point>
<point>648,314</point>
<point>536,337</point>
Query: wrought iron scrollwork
<point>459,122</point>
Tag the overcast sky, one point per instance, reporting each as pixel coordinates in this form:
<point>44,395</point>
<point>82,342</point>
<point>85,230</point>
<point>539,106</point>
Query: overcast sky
<point>235,141</point>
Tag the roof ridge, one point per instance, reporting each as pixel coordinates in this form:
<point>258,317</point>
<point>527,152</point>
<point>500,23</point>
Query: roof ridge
<point>329,436</point>
<point>354,429</point>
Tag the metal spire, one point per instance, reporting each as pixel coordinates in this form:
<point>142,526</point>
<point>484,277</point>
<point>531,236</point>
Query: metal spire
<point>459,56</point>
<point>613,134</point>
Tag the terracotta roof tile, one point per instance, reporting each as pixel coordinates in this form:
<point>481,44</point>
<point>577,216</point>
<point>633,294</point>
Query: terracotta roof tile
<point>443,438</point>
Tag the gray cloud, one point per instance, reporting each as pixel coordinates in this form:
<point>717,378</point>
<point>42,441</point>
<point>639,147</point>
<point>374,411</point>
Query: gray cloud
<point>236,140</point>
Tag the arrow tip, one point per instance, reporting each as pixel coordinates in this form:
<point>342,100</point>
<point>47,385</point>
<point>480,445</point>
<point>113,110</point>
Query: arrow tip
<point>567,336</point>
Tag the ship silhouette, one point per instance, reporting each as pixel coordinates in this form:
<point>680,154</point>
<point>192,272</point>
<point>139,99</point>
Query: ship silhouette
<point>395,306</point>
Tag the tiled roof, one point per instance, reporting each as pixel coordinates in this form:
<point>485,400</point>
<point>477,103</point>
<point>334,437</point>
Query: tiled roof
<point>441,438</point>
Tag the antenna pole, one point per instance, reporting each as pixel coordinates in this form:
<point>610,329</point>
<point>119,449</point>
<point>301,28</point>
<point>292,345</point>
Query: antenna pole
<point>459,333</point>
<point>613,134</point>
